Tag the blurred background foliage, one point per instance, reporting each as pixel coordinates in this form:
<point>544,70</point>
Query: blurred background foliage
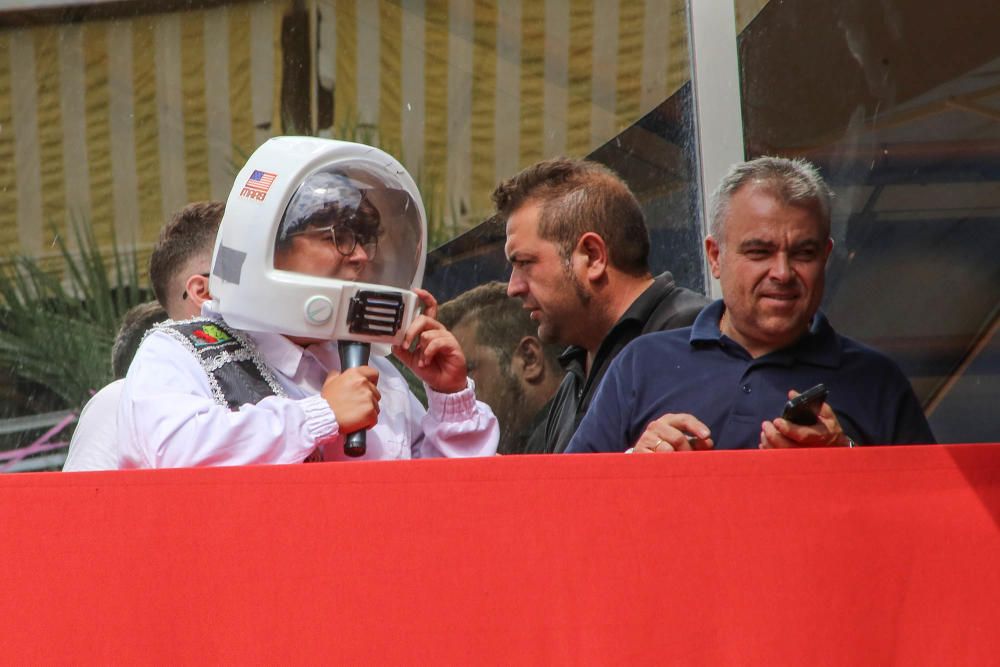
<point>58,322</point>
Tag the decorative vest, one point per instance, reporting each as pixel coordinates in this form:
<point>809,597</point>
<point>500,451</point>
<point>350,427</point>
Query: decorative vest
<point>236,373</point>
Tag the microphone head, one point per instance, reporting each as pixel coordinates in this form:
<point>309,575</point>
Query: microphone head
<point>353,353</point>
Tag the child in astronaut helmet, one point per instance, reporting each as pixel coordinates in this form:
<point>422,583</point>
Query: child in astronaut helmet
<point>329,208</point>
<point>203,392</point>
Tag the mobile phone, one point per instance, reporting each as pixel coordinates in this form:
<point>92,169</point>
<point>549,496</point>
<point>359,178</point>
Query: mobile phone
<point>804,408</point>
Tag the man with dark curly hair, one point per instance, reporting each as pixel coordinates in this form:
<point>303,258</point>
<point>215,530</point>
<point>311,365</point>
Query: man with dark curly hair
<point>579,248</point>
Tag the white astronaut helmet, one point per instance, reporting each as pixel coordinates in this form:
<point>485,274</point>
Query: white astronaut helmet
<point>321,239</point>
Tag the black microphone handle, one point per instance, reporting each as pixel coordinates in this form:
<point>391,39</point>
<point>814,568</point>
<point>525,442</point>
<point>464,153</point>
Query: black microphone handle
<point>352,355</point>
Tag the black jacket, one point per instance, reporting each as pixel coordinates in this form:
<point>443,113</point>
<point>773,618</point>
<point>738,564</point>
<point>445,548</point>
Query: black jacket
<point>662,306</point>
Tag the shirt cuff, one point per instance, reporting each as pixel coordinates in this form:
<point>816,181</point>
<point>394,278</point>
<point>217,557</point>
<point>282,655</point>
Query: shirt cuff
<point>320,420</point>
<point>458,406</point>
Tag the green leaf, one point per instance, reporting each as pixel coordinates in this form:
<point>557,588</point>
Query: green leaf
<point>59,317</point>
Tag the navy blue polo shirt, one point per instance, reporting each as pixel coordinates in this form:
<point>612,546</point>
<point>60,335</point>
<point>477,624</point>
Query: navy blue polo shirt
<point>699,371</point>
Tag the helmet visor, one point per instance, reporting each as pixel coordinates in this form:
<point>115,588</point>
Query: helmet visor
<point>354,223</point>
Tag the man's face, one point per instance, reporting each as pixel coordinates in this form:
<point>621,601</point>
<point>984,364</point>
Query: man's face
<point>314,253</point>
<point>771,268</point>
<point>495,386</point>
<point>544,281</point>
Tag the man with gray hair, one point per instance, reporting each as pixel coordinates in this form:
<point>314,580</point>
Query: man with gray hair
<point>722,383</point>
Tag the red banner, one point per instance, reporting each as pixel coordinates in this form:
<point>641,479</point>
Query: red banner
<point>866,556</point>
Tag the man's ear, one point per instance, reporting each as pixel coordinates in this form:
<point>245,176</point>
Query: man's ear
<point>197,290</point>
<point>593,251</point>
<point>712,252</point>
<point>528,360</point>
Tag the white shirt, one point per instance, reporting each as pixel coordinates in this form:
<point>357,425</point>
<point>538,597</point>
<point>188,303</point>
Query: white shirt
<point>168,418</point>
<point>94,445</point>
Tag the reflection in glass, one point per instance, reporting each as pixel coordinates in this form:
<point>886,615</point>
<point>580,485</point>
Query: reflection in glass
<point>899,104</point>
<point>114,115</point>
<point>656,156</point>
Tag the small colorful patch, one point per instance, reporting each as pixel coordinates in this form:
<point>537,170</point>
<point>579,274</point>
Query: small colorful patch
<point>209,335</point>
<point>257,185</point>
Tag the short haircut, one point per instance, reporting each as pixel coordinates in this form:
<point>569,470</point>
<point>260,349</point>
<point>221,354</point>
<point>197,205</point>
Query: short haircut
<point>502,320</point>
<point>795,182</point>
<point>191,231</point>
<point>137,321</point>
<point>579,196</point>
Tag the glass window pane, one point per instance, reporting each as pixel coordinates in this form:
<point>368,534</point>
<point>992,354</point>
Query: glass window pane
<point>625,101</point>
<point>899,104</point>
<point>115,115</point>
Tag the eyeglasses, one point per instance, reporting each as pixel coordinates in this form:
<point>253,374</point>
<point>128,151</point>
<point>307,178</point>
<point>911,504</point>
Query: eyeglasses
<point>346,239</point>
<point>185,295</point>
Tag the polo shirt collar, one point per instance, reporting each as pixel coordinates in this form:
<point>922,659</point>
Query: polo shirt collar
<point>820,346</point>
<point>706,325</point>
<point>642,308</point>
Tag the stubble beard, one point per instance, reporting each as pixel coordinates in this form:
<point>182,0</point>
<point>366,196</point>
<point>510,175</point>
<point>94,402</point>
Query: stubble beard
<point>510,412</point>
<point>559,330</point>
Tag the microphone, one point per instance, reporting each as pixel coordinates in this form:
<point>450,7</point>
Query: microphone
<point>352,355</point>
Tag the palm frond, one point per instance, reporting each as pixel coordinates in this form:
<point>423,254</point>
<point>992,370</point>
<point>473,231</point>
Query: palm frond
<point>57,326</point>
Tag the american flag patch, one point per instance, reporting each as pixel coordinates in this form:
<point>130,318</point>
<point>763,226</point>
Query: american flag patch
<point>258,184</point>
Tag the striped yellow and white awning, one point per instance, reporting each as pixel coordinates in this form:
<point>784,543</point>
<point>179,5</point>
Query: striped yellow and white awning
<point>470,91</point>
<point>119,122</point>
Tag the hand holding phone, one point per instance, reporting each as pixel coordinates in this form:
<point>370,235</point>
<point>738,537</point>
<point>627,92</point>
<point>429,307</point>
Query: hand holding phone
<point>804,408</point>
